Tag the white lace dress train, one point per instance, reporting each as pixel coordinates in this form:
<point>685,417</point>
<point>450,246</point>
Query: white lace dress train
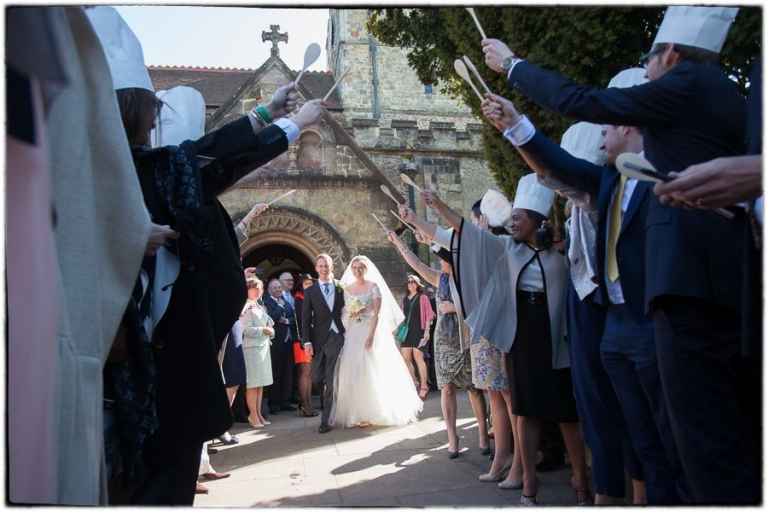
<point>374,384</point>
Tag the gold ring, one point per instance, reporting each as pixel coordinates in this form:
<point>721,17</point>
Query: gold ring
<point>699,203</point>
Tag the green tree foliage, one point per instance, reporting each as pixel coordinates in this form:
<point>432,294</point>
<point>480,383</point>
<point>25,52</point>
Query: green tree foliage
<point>585,44</point>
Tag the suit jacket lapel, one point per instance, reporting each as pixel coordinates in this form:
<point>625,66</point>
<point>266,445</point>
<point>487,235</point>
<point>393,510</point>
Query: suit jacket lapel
<point>638,196</point>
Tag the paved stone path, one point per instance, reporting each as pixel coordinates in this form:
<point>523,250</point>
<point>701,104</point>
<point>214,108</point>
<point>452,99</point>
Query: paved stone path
<point>288,464</point>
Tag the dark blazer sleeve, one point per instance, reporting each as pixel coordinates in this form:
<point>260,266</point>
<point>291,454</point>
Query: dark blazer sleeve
<point>660,102</point>
<point>290,314</point>
<point>237,151</point>
<point>564,166</point>
<point>274,310</point>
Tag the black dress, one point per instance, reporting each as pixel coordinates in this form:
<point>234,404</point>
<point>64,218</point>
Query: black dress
<point>538,390</point>
<point>415,332</point>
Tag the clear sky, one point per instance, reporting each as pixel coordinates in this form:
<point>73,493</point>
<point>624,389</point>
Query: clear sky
<point>226,37</point>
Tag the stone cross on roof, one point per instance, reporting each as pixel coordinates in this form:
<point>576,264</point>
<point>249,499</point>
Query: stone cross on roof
<point>275,36</point>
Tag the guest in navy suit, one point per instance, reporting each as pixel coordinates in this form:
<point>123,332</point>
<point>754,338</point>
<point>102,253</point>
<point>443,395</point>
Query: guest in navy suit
<point>281,351</point>
<point>690,112</point>
<point>627,348</point>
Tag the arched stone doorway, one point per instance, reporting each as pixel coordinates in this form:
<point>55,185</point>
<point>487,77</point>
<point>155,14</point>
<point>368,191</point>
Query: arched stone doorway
<point>287,239</point>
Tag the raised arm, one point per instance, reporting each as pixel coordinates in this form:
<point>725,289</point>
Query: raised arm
<point>431,275</point>
<point>410,216</point>
<point>547,159</point>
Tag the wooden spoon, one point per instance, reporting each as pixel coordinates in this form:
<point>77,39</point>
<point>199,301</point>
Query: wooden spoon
<point>282,196</point>
<point>338,81</point>
<point>310,56</point>
<point>472,13</point>
<point>386,190</point>
<point>406,179</point>
<point>634,166</point>
<point>477,73</point>
<point>461,69</point>
<point>381,223</point>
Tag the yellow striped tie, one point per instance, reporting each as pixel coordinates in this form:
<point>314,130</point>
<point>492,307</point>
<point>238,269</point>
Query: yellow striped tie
<point>613,234</point>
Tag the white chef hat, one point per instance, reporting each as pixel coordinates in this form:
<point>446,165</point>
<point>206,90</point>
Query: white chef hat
<point>122,48</point>
<point>699,27</point>
<point>181,118</point>
<point>582,140</point>
<point>628,78</point>
<point>532,196</point>
<point>496,207</point>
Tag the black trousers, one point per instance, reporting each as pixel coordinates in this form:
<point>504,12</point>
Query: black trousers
<point>698,345</point>
<point>281,354</point>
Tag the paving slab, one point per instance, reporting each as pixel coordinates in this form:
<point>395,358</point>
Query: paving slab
<point>288,464</point>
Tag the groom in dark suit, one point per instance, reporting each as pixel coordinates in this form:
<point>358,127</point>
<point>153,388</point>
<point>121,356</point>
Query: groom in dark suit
<point>323,331</point>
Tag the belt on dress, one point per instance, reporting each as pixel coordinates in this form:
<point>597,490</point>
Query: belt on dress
<point>532,298</point>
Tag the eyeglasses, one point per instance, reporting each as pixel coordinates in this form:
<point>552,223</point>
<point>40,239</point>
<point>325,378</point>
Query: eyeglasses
<point>645,59</point>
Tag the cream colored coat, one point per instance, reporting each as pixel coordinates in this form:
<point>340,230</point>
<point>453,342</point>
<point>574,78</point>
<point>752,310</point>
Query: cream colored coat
<point>101,235</point>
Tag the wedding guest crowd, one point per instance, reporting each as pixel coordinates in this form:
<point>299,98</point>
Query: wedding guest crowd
<point>634,330</point>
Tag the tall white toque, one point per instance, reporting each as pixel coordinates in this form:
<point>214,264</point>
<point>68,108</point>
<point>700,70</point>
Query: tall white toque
<point>628,78</point>
<point>532,196</point>
<point>583,140</point>
<point>699,27</point>
<point>496,207</point>
<point>122,48</point>
<point>181,118</point>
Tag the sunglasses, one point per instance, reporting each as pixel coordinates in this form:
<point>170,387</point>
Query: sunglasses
<point>411,281</point>
<point>647,57</point>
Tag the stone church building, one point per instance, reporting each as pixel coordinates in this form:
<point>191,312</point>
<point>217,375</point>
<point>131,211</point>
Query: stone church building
<point>381,122</point>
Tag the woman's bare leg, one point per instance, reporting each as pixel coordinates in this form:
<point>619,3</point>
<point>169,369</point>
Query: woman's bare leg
<point>407,353</point>
<point>502,429</point>
<point>574,443</point>
<point>448,404</point>
<point>480,408</point>
<point>529,430</point>
<point>421,365</point>
<point>516,472</point>
<point>253,410</point>
<point>259,397</point>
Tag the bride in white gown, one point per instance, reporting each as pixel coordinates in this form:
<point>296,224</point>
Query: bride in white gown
<point>373,385</point>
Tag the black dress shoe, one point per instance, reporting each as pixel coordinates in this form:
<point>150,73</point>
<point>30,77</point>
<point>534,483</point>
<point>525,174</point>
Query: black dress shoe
<point>287,407</point>
<point>294,400</point>
<point>324,428</point>
<point>274,409</point>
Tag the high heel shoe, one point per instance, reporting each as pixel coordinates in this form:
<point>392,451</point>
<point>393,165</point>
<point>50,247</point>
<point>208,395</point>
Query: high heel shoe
<point>255,425</point>
<point>424,396</point>
<point>584,497</point>
<point>306,414</point>
<point>528,501</point>
<point>499,475</point>
<point>492,477</point>
<point>232,440</point>
<point>453,455</point>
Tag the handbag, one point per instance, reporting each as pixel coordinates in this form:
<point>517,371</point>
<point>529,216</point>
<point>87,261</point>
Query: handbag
<point>402,331</point>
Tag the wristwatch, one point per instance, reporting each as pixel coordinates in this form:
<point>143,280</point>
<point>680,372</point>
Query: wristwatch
<point>507,62</point>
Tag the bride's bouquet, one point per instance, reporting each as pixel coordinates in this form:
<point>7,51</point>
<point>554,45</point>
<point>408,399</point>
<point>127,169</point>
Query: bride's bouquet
<point>355,306</point>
